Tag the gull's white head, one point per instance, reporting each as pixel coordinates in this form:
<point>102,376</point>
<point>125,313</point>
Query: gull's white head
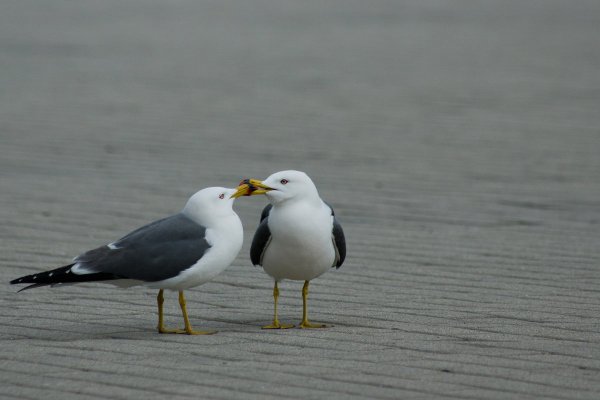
<point>210,203</point>
<point>284,186</point>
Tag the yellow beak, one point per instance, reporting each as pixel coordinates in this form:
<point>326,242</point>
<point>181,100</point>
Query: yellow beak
<point>254,184</point>
<point>250,187</point>
<point>242,190</point>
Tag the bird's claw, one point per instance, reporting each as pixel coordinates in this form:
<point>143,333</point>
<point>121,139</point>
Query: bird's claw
<point>277,325</point>
<point>165,330</point>
<point>185,331</point>
<point>309,325</point>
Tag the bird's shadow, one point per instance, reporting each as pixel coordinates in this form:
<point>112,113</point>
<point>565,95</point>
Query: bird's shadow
<point>83,331</point>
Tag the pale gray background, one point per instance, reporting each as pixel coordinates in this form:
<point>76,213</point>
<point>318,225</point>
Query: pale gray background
<point>457,140</point>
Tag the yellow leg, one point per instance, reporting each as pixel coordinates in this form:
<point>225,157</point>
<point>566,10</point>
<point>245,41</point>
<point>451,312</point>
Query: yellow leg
<point>276,324</point>
<point>186,320</point>
<point>305,324</point>
<point>160,299</point>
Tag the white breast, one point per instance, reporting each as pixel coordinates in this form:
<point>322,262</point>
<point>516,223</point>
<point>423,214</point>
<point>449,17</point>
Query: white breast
<point>301,247</point>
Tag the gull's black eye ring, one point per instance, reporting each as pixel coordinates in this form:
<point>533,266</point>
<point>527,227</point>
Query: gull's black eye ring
<point>222,196</point>
<point>283,181</point>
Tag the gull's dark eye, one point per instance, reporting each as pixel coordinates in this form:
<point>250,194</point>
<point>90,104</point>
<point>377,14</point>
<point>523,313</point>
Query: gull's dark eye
<point>222,196</point>
<point>283,181</point>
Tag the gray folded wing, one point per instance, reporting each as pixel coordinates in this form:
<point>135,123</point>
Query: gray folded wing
<point>339,240</point>
<point>262,237</point>
<point>154,252</point>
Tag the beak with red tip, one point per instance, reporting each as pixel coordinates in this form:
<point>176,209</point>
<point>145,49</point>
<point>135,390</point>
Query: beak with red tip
<point>257,187</point>
<point>251,187</point>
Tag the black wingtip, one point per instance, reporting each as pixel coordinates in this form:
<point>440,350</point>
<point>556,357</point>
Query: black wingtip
<point>24,279</point>
<point>27,279</point>
<point>60,276</point>
<point>32,286</point>
<point>44,278</point>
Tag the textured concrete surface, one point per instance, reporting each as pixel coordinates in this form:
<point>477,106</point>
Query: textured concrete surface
<point>457,140</point>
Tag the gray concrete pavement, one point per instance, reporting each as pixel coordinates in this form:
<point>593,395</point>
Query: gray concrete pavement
<point>458,142</point>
